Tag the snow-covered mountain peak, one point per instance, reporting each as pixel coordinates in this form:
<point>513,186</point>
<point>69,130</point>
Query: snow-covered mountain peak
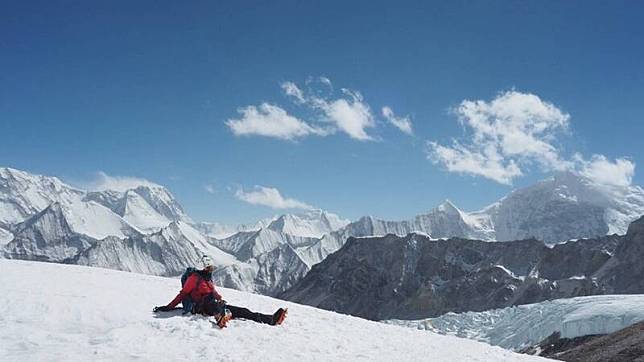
<point>163,202</point>
<point>150,207</point>
<point>120,212</point>
<point>137,211</point>
<point>50,222</point>
<point>313,223</point>
<point>23,194</point>
<point>8,174</point>
<point>448,207</point>
<point>566,205</point>
<point>223,231</point>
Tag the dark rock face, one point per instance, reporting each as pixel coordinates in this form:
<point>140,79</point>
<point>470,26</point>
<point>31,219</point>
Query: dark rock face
<point>624,273</point>
<point>415,277</point>
<point>554,345</point>
<point>624,345</point>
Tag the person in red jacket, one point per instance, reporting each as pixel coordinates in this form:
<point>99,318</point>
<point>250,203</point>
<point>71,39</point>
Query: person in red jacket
<point>200,291</point>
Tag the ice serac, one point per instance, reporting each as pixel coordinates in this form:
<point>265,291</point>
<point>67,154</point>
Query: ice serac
<point>525,325</point>
<point>415,276</point>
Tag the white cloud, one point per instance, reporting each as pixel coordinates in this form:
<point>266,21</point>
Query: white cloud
<point>291,89</point>
<point>349,114</point>
<point>210,188</point>
<point>487,163</point>
<point>326,81</point>
<point>271,197</point>
<point>352,116</point>
<point>603,171</point>
<point>104,181</point>
<point>271,121</point>
<point>402,123</point>
<point>514,129</point>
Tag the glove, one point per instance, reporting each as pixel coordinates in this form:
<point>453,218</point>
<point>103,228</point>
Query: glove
<point>163,308</point>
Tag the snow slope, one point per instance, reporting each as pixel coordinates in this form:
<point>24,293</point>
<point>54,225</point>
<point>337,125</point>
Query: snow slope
<point>527,325</point>
<point>79,313</point>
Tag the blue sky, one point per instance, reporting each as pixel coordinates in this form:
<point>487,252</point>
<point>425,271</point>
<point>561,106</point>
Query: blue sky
<point>146,90</point>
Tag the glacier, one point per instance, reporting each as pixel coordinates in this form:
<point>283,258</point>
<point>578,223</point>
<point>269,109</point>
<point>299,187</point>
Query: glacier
<point>526,325</point>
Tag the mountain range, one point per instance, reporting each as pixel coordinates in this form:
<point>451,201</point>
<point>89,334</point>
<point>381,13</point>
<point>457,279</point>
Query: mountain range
<point>414,276</point>
<point>143,228</point>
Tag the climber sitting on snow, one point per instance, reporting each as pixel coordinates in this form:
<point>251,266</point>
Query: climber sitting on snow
<point>198,296</point>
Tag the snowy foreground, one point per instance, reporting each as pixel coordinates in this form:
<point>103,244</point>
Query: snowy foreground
<point>526,325</point>
<point>66,312</point>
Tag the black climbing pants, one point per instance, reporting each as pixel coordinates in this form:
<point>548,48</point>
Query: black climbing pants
<point>210,306</point>
<point>245,313</point>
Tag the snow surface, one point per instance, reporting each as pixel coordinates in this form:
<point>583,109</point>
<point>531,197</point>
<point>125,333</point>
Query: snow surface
<point>526,325</point>
<point>76,313</point>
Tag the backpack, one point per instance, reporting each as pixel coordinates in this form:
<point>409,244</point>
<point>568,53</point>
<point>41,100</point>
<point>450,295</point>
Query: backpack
<point>187,303</point>
<point>186,274</point>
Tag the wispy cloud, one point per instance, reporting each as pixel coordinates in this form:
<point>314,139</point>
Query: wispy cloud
<point>271,197</point>
<point>103,181</point>
<point>271,121</point>
<point>210,188</point>
<point>604,171</point>
<point>486,162</point>
<point>514,131</point>
<point>349,113</point>
<point>402,123</point>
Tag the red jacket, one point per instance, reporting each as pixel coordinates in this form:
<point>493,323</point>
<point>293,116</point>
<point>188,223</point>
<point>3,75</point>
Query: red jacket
<point>197,288</point>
